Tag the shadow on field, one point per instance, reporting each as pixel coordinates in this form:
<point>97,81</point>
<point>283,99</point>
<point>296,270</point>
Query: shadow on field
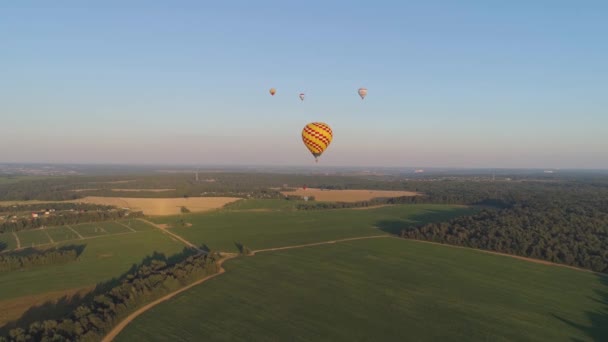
<point>395,226</point>
<point>3,246</point>
<point>598,329</point>
<point>62,307</point>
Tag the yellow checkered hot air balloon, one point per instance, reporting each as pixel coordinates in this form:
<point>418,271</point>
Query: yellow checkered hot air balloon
<point>317,136</point>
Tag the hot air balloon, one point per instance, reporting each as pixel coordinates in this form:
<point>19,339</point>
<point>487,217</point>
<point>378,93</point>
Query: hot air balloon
<point>316,137</point>
<point>362,92</point>
<point>302,96</point>
<point>273,91</point>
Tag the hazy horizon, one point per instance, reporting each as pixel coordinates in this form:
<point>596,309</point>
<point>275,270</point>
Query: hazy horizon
<point>467,85</point>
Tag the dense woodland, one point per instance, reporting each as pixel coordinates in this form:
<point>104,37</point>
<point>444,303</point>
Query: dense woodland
<point>31,257</point>
<point>64,218</point>
<point>91,321</point>
<point>564,232</point>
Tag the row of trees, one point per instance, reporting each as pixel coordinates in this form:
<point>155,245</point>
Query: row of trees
<point>57,206</point>
<point>571,233</point>
<point>34,257</point>
<point>65,218</point>
<point>90,322</point>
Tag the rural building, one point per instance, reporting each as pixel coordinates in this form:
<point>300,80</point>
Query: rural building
<point>34,215</point>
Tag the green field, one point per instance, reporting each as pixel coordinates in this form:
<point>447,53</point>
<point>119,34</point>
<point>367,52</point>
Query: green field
<point>103,259</point>
<point>89,229</point>
<point>383,290</point>
<point>59,234</point>
<point>221,229</point>
<point>7,241</point>
<point>30,238</point>
<point>137,225</point>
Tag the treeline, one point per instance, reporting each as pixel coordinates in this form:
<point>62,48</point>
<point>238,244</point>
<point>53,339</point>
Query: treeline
<point>395,200</point>
<point>57,206</point>
<point>567,232</point>
<point>33,257</point>
<point>90,322</point>
<point>65,218</point>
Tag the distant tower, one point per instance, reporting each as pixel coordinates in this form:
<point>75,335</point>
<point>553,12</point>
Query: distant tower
<point>197,175</point>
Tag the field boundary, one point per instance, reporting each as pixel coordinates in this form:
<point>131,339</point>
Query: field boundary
<point>17,239</point>
<point>48,235</point>
<point>330,242</point>
<point>124,225</point>
<point>166,231</point>
<point>75,232</point>
<point>513,256</point>
<point>123,324</point>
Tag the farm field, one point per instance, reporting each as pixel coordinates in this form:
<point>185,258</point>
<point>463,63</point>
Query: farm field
<point>60,234</point>
<point>150,206</point>
<point>163,206</point>
<point>7,242</point>
<point>382,290</point>
<point>103,258</point>
<point>221,229</point>
<point>347,195</point>
<point>50,235</point>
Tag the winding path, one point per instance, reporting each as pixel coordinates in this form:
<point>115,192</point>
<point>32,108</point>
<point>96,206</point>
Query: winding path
<point>117,329</point>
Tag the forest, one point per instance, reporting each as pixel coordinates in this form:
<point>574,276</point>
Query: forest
<point>91,321</point>
<point>567,230</point>
<point>31,257</point>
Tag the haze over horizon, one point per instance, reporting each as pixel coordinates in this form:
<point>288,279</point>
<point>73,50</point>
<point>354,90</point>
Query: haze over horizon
<point>473,84</point>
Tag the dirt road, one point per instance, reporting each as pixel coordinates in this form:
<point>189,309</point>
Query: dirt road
<point>175,236</point>
<point>117,329</point>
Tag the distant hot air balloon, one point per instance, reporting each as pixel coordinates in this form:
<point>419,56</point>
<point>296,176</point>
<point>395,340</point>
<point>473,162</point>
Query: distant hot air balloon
<point>362,92</point>
<point>302,96</point>
<point>273,91</point>
<point>317,136</point>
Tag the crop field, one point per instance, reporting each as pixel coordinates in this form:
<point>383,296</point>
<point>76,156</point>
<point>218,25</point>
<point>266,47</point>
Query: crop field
<point>59,234</point>
<point>221,229</point>
<point>137,225</point>
<point>103,258</point>
<point>89,229</point>
<point>31,238</point>
<point>382,290</point>
<point>162,206</point>
<point>347,195</point>
<point>50,235</point>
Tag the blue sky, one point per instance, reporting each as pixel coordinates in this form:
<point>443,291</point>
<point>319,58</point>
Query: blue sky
<point>458,84</point>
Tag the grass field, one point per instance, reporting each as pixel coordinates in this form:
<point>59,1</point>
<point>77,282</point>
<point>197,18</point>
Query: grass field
<point>42,237</point>
<point>30,238</point>
<point>221,229</point>
<point>59,234</point>
<point>383,290</point>
<point>104,258</point>
<point>7,242</point>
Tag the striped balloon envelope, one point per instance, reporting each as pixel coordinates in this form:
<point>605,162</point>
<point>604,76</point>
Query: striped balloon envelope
<point>316,137</point>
